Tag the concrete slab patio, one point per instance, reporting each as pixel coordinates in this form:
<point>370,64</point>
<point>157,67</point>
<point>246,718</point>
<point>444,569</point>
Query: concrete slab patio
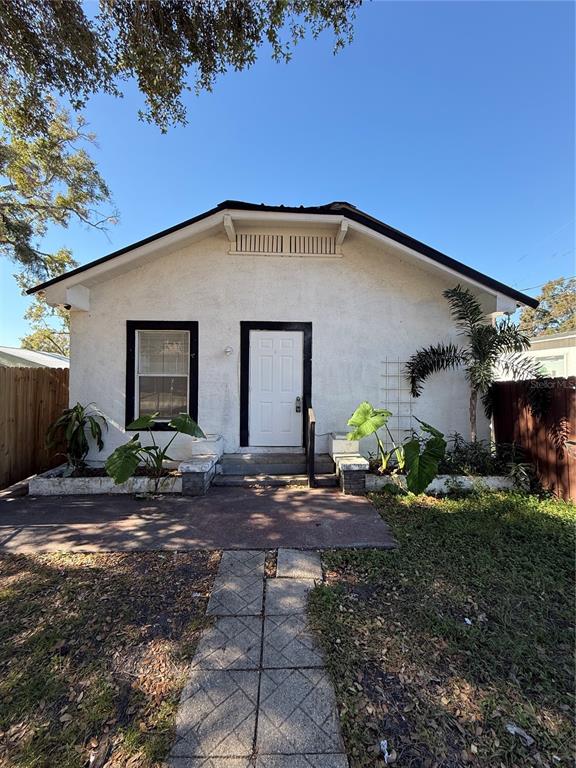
<point>227,518</point>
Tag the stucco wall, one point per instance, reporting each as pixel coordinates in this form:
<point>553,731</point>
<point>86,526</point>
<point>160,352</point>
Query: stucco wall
<point>365,306</point>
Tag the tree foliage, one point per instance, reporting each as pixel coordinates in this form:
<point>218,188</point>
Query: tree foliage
<point>490,349</point>
<point>46,180</point>
<point>555,313</point>
<point>49,179</point>
<point>52,47</point>
<point>71,50</point>
<point>49,326</point>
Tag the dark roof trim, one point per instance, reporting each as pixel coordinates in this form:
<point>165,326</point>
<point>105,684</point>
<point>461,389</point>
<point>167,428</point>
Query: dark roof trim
<point>126,249</point>
<point>335,209</point>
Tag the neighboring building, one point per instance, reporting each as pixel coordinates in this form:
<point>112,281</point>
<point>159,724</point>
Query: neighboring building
<point>556,353</point>
<point>14,357</point>
<point>246,313</point>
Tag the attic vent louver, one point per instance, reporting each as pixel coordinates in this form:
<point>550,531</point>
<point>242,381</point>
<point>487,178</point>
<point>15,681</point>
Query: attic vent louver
<point>260,243</point>
<point>314,245</point>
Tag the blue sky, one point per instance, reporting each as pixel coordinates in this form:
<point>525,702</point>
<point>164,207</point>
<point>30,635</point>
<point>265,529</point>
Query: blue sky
<point>452,121</point>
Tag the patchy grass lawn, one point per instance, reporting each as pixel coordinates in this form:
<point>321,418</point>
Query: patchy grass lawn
<point>465,629</point>
<point>94,651</point>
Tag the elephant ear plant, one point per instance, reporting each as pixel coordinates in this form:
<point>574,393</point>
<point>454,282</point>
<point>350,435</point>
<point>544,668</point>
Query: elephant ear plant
<point>75,425</point>
<point>420,456</point>
<point>366,421</point>
<point>123,462</point>
<point>423,456</point>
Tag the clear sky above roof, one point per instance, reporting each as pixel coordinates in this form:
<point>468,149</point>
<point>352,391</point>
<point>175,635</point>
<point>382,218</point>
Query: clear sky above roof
<point>452,121</point>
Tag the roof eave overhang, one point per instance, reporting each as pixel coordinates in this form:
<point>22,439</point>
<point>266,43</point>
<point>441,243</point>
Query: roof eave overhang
<point>166,240</point>
<point>507,299</point>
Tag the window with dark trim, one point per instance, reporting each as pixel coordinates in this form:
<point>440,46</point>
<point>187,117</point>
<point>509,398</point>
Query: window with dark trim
<point>161,370</point>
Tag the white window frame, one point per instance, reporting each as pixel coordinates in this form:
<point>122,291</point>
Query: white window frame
<point>542,357</point>
<point>138,331</point>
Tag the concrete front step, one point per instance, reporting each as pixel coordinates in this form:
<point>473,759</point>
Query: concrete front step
<point>323,480</point>
<point>272,464</point>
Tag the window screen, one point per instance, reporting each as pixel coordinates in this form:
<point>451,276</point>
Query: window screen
<point>162,372</point>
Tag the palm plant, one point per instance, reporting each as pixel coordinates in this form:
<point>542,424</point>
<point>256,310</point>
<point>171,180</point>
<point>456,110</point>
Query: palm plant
<point>490,349</point>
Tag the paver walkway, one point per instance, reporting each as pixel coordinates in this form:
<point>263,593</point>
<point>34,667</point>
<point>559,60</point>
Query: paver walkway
<point>258,695</point>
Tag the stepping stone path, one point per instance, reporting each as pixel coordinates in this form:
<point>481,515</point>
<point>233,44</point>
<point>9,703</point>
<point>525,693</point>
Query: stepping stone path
<point>258,695</point>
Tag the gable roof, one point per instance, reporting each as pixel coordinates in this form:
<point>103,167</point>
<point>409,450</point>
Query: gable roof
<point>340,209</point>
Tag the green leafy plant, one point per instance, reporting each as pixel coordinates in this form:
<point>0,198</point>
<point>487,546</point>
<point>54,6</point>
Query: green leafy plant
<point>469,458</point>
<point>420,456</point>
<point>366,421</point>
<point>75,425</point>
<point>522,475</point>
<point>423,456</point>
<point>479,458</point>
<point>454,487</point>
<point>393,490</point>
<point>124,461</point>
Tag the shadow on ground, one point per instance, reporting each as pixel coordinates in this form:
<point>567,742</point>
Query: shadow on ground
<point>463,630</point>
<point>227,518</point>
<point>94,651</point>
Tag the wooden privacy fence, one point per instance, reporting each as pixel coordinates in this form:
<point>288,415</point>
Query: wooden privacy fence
<point>30,400</point>
<point>547,441</point>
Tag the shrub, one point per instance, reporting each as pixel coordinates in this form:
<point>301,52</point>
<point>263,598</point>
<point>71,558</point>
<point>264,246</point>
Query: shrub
<point>478,457</point>
<point>75,425</point>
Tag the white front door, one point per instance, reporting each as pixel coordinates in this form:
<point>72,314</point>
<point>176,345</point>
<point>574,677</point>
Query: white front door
<point>276,379</point>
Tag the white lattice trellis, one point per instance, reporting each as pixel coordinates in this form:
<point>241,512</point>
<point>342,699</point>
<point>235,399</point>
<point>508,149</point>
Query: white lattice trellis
<point>395,397</point>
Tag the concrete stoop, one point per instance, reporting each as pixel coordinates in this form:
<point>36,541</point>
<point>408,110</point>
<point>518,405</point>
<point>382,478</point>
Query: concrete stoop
<point>272,470</point>
<point>328,480</point>
<point>258,695</point>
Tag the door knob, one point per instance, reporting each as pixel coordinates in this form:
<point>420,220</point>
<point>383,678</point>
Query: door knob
<point>298,405</point>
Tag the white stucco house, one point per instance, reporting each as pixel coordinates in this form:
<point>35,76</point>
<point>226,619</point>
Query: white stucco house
<point>555,353</point>
<point>246,314</point>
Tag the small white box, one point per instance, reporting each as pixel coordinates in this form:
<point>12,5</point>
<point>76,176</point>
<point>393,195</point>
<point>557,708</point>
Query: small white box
<point>339,445</point>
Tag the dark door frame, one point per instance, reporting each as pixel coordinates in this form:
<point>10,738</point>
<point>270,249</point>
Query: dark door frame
<point>250,325</point>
